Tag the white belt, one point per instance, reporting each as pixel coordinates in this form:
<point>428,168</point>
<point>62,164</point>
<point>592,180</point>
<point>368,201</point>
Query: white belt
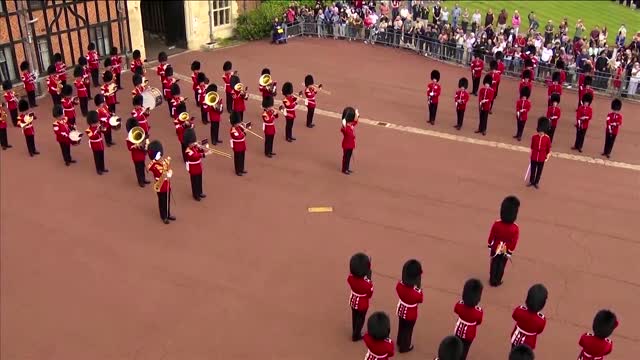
<point>590,356</point>
<point>95,140</point>
<point>405,304</point>
<point>460,321</point>
<point>517,332</point>
<point>234,140</point>
<point>358,295</point>
<point>194,162</point>
<point>369,354</point>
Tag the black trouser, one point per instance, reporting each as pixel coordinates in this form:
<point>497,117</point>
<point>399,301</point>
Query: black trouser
<point>241,115</point>
<point>4,141</point>
<point>72,121</point>
<point>98,159</point>
<point>139,166</point>
<point>466,345</point>
<point>84,106</point>
<point>164,205</point>
<point>609,140</point>
<point>495,95</point>
<point>66,152</point>
<point>31,144</point>
<point>536,171</point>
<point>357,323</point>
<point>204,115</point>
<point>238,161</point>
<point>95,77</point>
<point>229,99</point>
<point>551,132</point>
<point>288,129</point>
<point>405,331</point>
<point>14,116</point>
<point>170,108</point>
<point>460,114</point>
<point>496,269</point>
<point>484,118</point>
<point>112,108</point>
<point>268,144</point>
<point>108,136</point>
<point>346,159</point>
<point>520,128</point>
<point>63,82</point>
<point>476,86</point>
<point>184,154</point>
<point>57,100</point>
<point>31,95</point>
<point>196,185</point>
<point>117,76</point>
<point>433,110</point>
<point>580,134</point>
<point>215,130</point>
<point>310,112</point>
<point>195,97</point>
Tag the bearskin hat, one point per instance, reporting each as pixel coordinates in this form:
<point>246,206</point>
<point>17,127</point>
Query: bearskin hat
<point>195,66</point>
<point>168,71</point>
<point>525,92</point>
<point>616,105</point>
<point>555,77</point>
<point>137,79</point>
<point>588,80</point>
<point>412,273</point>
<point>98,99</point>
<point>162,56</point>
<point>138,100</point>
<point>287,89</point>
<point>528,63</point>
<point>487,80</point>
<point>23,105</point>
<point>227,66</point>
<point>175,89</point>
<point>24,66</point>
<point>267,102</point>
<point>6,85</point>
<point>107,76</point>
<point>472,292</point>
<point>536,298</point>
<point>139,70</point>
<point>604,323</point>
<point>92,117</point>
<point>509,209</point>
<point>349,114</point>
<point>107,62</point>
<point>450,348</point>
<point>265,71</point>
<point>189,136</point>
<point>499,55</point>
<point>182,107</point>
<point>82,61</point>
<point>477,54</point>
<point>555,98</point>
<point>587,98</point>
<point>234,118</point>
<point>360,265</point>
<point>154,148</point>
<point>212,87</point>
<point>234,80</point>
<point>526,74</point>
<point>91,46</point>
<point>435,75</point>
<point>131,123</point>
<point>51,69</point>
<point>67,90</point>
<point>78,71</point>
<point>379,325</point>
<point>57,111</point>
<point>521,352</point>
<point>57,57</point>
<point>136,54</point>
<point>543,124</point>
<point>560,64</point>
<point>308,80</point>
<point>586,68</point>
<point>201,78</point>
<point>531,49</point>
<point>493,65</point>
<point>463,83</point>
<point>114,51</point>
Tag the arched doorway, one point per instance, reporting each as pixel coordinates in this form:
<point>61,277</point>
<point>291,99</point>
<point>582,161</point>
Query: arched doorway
<point>163,23</point>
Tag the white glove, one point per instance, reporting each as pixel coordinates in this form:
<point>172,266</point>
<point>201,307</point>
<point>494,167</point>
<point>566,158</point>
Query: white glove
<point>169,174</point>
<point>158,156</point>
<point>344,122</point>
<point>306,102</point>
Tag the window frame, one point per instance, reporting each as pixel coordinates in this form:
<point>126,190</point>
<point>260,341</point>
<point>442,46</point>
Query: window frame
<point>105,32</point>
<point>7,66</point>
<point>219,12</point>
<point>41,59</point>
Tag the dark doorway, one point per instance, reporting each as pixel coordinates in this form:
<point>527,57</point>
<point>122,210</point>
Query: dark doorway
<point>163,24</point>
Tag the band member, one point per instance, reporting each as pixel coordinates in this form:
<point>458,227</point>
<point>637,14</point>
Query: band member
<point>138,85</point>
<point>107,66</point>
<point>379,345</point>
<point>81,89</point>
<point>521,352</point>
<point>310,93</point>
<point>269,116</point>
<point>461,98</point>
<point>555,87</point>
<point>54,85</point>
<point>109,90</point>
<point>553,114</point>
<point>359,281</point>
<point>586,70</point>
<point>11,99</point>
<point>4,141</point>
<point>495,81</point>
<point>529,66</point>
<point>116,65</point>
<point>137,61</point>
<point>62,128</point>
<point>162,65</point>
<point>433,94</point>
<point>586,87</point>
<point>176,99</point>
<point>162,173</point>
<point>228,90</point>
<point>523,106</point>
<point>469,314</point>
<point>214,113</point>
<point>104,115</point>
<point>29,80</point>
<point>69,105</point>
<point>238,143</point>
<point>530,322</point>
<point>503,239</point>
<point>194,154</point>
<point>239,96</point>
<point>96,142</point>
<point>477,65</point>
<point>138,153</point>
<point>288,106</point>
<point>614,122</point>
<point>450,348</point>
<point>563,74</point>
<point>61,68</point>
<point>540,151</point>
<point>410,295</point>
<point>499,56</point>
<point>596,345</point>
<point>25,121</point>
<point>485,98</point>
<point>583,117</point>
<point>195,70</point>
<point>200,90</point>
<point>86,76</point>
<point>182,122</point>
<point>350,118</point>
<point>267,90</point>
<point>167,85</point>
<point>526,81</point>
<point>94,64</point>
<point>140,114</point>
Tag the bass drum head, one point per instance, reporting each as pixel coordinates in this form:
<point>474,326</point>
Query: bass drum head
<point>152,98</point>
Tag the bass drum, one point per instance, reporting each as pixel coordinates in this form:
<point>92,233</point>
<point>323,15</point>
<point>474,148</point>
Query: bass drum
<point>151,98</point>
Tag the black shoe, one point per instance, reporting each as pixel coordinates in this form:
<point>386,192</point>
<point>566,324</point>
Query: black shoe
<point>515,136</point>
<point>355,338</point>
<point>244,172</point>
<point>293,139</point>
<point>289,140</point>
<point>36,153</point>
<point>268,155</point>
<point>239,174</point>
<point>311,126</point>
<point>477,131</point>
<point>218,142</point>
<point>72,161</point>
<point>66,163</point>
<point>608,156</point>
<point>407,350</point>
<point>99,172</point>
<point>172,218</point>
<point>457,127</point>
<point>529,184</point>
<point>579,150</point>
<point>196,198</point>
<point>7,147</point>
<point>346,172</point>
<point>519,138</point>
<point>202,196</point>
<point>536,186</point>
<point>141,185</point>
<point>147,182</point>
<point>105,170</point>
<point>166,221</point>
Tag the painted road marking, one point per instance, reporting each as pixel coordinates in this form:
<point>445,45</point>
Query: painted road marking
<point>320,209</point>
<point>459,138</point>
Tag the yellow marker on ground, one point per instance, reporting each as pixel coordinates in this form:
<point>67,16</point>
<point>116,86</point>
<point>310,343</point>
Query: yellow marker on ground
<point>320,209</point>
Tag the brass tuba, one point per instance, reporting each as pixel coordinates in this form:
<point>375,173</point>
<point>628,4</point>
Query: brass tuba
<point>136,135</point>
<point>239,87</point>
<point>211,98</point>
<point>265,80</point>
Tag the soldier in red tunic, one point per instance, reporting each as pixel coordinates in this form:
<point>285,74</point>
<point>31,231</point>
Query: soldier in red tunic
<point>29,80</point>
<point>530,322</point>
<point>269,116</point>
<point>583,117</point>
<point>104,114</point>
<point>162,65</point>
<point>526,81</point>
<point>138,85</point>
<point>410,295</point>
<point>450,348</point>
<point>586,70</point>
<point>61,68</point>
<point>96,142</point>
<point>555,87</point>
<point>485,98</point>
<point>238,143</point>
<point>350,118</point>
<point>540,151</point>
<point>25,121</point>
<point>586,87</point>
<point>137,61</point>
<point>469,314</point>
<point>477,65</point>
<point>433,94</point>
<point>11,99</point>
<point>94,64</point>
<point>239,96</point>
<point>116,66</point>
<point>499,56</point>
<point>226,78</point>
<point>86,75</point>
<point>138,153</point>
<point>310,93</point>
<point>521,352</point>
<point>201,94</point>
<point>81,89</point>
<point>288,107</point>
<point>553,114</point>
<point>596,345</point>
<point>495,81</point>
<point>194,154</point>
<point>379,345</point>
<point>461,98</point>
<point>195,71</point>
<point>140,114</point>
<point>503,239</point>
<point>176,99</point>
<point>523,106</point>
<point>109,90</point>
<point>4,141</point>
<point>270,89</point>
<point>359,281</point>
<point>168,84</point>
<point>69,104</point>
<point>214,113</point>
<point>162,173</point>
<point>614,122</point>
<point>53,85</point>
<point>61,129</point>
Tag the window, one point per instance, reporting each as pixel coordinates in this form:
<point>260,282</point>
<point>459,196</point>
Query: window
<point>1,7</point>
<point>44,53</point>
<point>35,4</point>
<point>7,70</point>
<point>101,36</point>
<point>221,12</point>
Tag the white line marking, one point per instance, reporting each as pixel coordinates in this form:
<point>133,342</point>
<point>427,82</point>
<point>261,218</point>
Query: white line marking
<point>458,138</point>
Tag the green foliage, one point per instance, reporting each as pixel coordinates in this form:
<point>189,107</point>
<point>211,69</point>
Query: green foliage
<point>257,24</point>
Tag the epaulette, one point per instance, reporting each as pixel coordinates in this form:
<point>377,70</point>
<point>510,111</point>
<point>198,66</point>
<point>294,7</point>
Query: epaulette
<point>388,340</point>
<point>478,308</point>
<point>608,340</point>
<point>541,315</point>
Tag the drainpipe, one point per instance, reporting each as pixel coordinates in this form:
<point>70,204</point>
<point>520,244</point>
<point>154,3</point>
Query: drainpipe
<point>30,53</point>
<point>212,40</point>
<point>121,8</point>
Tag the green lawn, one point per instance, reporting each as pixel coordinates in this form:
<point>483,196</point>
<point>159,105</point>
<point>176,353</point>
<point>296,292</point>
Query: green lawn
<point>601,13</point>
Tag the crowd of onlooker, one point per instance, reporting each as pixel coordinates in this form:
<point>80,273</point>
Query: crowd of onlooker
<point>449,32</point>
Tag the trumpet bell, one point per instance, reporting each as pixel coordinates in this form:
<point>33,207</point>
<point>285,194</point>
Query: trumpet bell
<point>136,135</point>
<point>183,116</point>
<point>239,87</point>
<point>265,80</point>
<point>211,98</point>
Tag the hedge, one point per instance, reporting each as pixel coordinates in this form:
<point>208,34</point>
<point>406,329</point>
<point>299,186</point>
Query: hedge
<point>258,23</point>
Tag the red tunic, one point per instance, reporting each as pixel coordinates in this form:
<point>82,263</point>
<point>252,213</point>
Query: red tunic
<point>540,147</point>
<point>81,88</point>
<point>585,90</point>
<point>138,90</point>
<point>201,89</point>
<point>269,117</point>
<point>157,169</point>
<point>166,88</point>
<point>290,103</point>
<point>477,66</point>
<point>378,349</point>
<point>525,83</point>
<point>160,70</point>
<point>11,99</point>
<point>61,70</point>
<point>238,143</point>
<point>238,101</point>
<point>614,121</point>
<point>116,64</point>
<point>265,90</point>
<point>433,92</point>
<point>310,96</point>
<point>3,123</point>
<point>194,160</point>
<point>109,99</point>
<point>226,78</point>
<point>86,73</point>
<point>500,69</point>
<point>528,326</point>
<point>485,97</point>
<point>503,233</point>
<point>179,129</point>
<point>103,116</point>
<point>563,77</point>
<point>139,114</point>
<point>583,116</point>
<point>495,79</point>
<point>93,59</point>
<point>349,136</point>
<point>461,98</point>
<point>553,114</point>
<point>27,129</point>
<point>136,63</point>
<point>469,318</point>
<point>522,109</point>
<point>593,347</point>
<point>69,107</point>
<point>361,292</point>
<point>554,88</point>
<point>194,80</point>
<point>409,298</point>
<point>29,80</point>
<point>137,154</point>
<point>61,130</point>
<point>95,138</point>
<point>215,112</point>
<point>175,101</point>
<point>52,84</point>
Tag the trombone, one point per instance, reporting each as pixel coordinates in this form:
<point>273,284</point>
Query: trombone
<point>247,128</point>
<point>204,147</point>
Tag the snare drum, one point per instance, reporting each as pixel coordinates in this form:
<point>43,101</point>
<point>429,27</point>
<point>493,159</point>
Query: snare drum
<point>151,98</point>
<point>75,136</point>
<point>114,122</point>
